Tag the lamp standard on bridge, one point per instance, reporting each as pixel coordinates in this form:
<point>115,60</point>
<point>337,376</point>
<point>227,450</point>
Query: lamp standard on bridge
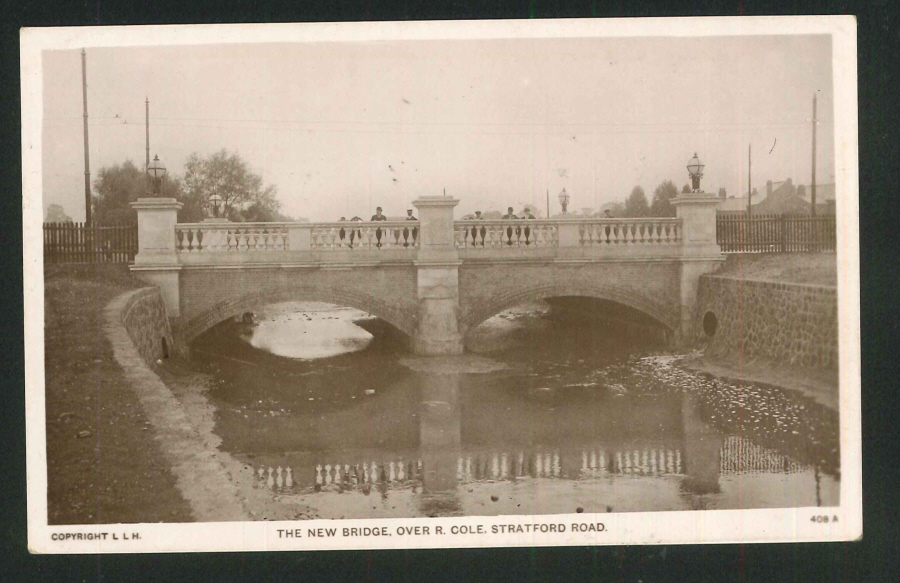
<point>156,170</point>
<point>215,200</point>
<point>564,200</point>
<point>695,170</point>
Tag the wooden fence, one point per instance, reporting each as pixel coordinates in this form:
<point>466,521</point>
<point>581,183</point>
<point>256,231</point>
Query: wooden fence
<point>80,243</point>
<point>775,233</point>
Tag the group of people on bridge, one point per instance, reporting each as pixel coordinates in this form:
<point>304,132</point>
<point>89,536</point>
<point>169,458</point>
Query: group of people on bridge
<point>409,235</point>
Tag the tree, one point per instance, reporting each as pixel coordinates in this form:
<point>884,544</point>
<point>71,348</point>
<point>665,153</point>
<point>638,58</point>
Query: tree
<point>57,214</point>
<point>686,189</point>
<point>616,209</point>
<point>636,203</point>
<point>228,176</point>
<point>662,199</point>
<point>117,186</point>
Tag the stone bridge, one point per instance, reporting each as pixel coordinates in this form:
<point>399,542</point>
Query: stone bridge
<point>435,278</point>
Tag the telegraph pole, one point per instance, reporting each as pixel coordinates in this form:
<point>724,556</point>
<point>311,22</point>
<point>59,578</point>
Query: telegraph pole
<point>147,131</point>
<point>548,203</point>
<point>749,178</point>
<point>87,162</point>
<point>813,196</point>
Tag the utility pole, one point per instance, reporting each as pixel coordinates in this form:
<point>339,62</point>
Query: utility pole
<point>87,162</point>
<point>548,203</point>
<point>749,178</point>
<point>147,131</point>
<point>813,196</point>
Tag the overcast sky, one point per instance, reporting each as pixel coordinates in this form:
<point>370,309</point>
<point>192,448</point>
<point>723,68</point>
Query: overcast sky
<point>341,128</point>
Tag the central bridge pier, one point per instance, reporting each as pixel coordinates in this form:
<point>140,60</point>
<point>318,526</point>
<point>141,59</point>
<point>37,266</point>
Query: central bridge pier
<point>434,279</point>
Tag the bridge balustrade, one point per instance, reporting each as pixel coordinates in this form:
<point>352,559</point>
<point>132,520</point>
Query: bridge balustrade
<point>231,237</point>
<point>501,234</point>
<point>656,231</point>
<point>217,237</point>
<point>482,234</point>
<point>365,235</point>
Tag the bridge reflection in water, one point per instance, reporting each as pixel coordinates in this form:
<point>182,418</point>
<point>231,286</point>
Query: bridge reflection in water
<point>621,454</point>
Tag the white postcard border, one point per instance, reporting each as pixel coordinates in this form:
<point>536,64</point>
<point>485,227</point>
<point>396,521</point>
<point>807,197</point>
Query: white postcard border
<point>674,527</point>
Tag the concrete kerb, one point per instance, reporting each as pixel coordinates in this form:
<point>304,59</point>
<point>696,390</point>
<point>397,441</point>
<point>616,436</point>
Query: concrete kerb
<point>200,477</point>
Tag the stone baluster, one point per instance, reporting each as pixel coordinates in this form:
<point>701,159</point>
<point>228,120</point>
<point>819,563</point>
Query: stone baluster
<point>211,240</point>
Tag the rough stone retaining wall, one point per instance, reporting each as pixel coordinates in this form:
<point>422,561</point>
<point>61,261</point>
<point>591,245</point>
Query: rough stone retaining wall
<point>200,476</point>
<point>145,319</point>
<point>787,323</point>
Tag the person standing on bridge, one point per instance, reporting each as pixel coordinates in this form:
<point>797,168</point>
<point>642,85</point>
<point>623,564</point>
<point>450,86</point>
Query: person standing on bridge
<point>355,233</point>
<point>526,214</point>
<point>378,217</point>
<point>415,230</point>
<point>509,230</point>
<point>607,215</point>
<point>342,233</point>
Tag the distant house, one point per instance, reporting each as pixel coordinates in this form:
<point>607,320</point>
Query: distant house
<point>738,205</point>
<point>787,199</point>
<point>782,197</point>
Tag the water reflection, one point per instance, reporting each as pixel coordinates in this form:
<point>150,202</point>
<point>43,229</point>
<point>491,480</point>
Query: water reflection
<point>570,423</point>
<point>308,330</point>
<point>691,465</point>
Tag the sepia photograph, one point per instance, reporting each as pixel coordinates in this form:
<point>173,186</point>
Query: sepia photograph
<point>441,284</point>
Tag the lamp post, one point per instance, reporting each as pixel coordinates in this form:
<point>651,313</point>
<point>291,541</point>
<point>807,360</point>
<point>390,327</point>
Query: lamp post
<point>563,200</point>
<point>216,200</point>
<point>156,170</point>
<point>695,170</point>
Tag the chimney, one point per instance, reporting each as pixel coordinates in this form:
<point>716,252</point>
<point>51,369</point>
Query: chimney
<point>768,188</point>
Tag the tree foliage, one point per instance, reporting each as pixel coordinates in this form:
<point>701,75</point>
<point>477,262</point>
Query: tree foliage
<point>662,199</point>
<point>241,191</point>
<point>57,214</point>
<point>117,186</point>
<point>686,189</point>
<point>636,204</point>
<point>243,194</point>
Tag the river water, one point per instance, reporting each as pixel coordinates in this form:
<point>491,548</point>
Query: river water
<point>549,412</point>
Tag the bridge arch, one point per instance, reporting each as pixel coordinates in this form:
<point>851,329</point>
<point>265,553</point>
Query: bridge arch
<point>195,325</point>
<point>667,316</point>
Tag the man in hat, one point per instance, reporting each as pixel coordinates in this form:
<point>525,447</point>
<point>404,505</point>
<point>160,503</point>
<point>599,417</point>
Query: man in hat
<point>609,229</point>
<point>476,231</point>
<point>378,217</point>
<point>415,230</point>
<point>526,214</point>
<point>509,230</point>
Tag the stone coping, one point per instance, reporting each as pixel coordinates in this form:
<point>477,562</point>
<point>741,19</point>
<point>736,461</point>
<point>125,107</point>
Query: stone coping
<point>200,477</point>
<point>775,284</point>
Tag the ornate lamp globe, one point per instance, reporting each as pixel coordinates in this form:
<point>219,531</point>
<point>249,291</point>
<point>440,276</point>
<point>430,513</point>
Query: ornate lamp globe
<point>216,202</point>
<point>563,200</point>
<point>695,170</point>
<point>156,170</point>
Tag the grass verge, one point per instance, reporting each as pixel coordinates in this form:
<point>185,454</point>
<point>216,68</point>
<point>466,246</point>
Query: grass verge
<point>103,464</point>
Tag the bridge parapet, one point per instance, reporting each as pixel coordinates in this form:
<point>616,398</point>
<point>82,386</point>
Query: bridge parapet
<point>225,237</point>
<point>591,232</point>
